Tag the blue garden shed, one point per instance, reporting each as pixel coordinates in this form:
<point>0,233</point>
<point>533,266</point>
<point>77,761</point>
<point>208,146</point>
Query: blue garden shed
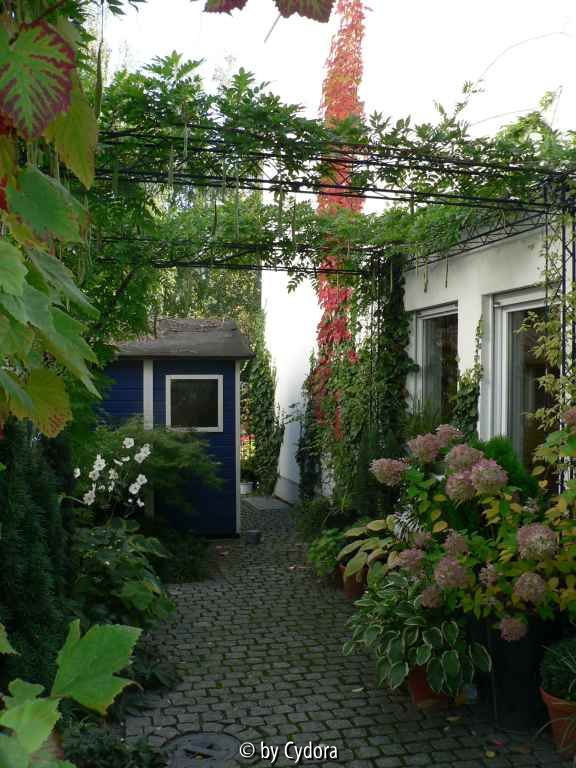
<point>186,376</point>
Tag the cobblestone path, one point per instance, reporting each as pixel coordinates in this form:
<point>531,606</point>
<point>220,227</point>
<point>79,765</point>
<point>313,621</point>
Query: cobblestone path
<point>258,648</point>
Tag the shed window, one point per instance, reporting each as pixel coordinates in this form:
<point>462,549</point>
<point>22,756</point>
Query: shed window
<point>194,402</point>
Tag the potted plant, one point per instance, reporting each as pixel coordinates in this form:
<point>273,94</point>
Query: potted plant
<point>364,547</point>
<point>247,475</point>
<point>558,675</point>
<point>424,648</point>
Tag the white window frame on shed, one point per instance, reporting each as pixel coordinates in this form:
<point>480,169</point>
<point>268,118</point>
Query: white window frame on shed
<point>418,345</point>
<point>502,307</point>
<point>195,377</point>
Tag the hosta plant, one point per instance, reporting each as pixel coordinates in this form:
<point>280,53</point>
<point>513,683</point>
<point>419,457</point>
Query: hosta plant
<point>366,544</point>
<point>391,622</point>
<point>87,668</point>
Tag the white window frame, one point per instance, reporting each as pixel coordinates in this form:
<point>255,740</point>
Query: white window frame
<point>195,377</point>
<point>420,317</point>
<point>503,306</point>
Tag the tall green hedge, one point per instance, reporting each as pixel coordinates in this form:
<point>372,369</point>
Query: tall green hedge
<point>33,554</point>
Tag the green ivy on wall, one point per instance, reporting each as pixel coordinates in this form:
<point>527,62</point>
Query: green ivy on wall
<point>265,419</point>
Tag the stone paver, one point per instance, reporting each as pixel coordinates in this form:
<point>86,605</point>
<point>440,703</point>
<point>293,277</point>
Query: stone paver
<point>259,650</point>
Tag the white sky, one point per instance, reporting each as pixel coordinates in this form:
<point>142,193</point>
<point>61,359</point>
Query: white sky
<point>415,52</point>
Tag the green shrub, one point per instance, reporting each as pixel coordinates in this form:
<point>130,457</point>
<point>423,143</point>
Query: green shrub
<point>558,670</point>
<point>92,745</point>
<point>189,555</point>
<point>34,556</point>
<point>116,580</point>
<point>323,551</point>
<point>501,450</point>
<point>311,515</point>
<point>176,459</point>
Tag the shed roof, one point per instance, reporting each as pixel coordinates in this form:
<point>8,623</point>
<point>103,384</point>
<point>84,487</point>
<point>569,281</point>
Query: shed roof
<point>185,337</point>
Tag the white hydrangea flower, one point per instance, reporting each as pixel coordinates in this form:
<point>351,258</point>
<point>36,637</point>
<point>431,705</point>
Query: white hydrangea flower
<point>99,464</point>
<point>94,475</point>
<point>128,442</point>
<point>90,497</point>
<point>77,473</point>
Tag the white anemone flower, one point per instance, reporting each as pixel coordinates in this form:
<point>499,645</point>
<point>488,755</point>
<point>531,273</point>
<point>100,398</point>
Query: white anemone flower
<point>140,503</point>
<point>128,442</point>
<point>134,489</point>
<point>125,459</point>
<point>90,497</point>
<point>94,475</point>
<point>99,464</point>
<point>118,463</point>
<point>142,479</point>
<point>77,473</point>
<point>113,475</point>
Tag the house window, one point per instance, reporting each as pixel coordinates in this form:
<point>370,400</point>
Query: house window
<point>194,402</point>
<point>437,355</point>
<point>517,393</point>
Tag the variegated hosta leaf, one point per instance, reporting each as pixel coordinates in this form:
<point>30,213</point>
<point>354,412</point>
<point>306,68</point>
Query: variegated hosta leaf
<point>35,76</point>
<point>223,6</point>
<point>319,10</point>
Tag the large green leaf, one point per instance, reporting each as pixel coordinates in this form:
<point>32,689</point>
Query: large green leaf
<point>46,206</point>
<point>32,722</point>
<point>12,755</point>
<point>451,665</point>
<point>75,134</point>
<point>15,338</point>
<point>20,692</point>
<point>480,657</point>
<point>397,674</point>
<point>12,269</point>
<point>51,402</point>
<point>60,277</point>
<point>319,10</point>
<point>5,646</point>
<point>35,76</point>
<point>223,6</point>
<point>87,666</point>
<point>15,392</point>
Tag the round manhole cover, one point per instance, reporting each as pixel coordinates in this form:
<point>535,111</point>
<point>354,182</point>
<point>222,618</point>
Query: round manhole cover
<point>194,749</point>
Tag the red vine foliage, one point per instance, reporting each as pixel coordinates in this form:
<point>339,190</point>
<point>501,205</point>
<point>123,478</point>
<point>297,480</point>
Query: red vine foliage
<point>340,100</point>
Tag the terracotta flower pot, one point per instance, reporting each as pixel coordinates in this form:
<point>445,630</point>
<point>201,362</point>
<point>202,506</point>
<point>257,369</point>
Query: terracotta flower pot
<point>354,586</point>
<point>562,716</point>
<point>421,694</point>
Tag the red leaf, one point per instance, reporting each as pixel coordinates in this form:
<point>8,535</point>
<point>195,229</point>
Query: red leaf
<point>319,10</point>
<point>35,77</point>
<point>223,6</point>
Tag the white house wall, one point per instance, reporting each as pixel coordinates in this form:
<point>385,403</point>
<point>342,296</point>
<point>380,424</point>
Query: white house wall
<point>473,280</point>
<point>291,322</point>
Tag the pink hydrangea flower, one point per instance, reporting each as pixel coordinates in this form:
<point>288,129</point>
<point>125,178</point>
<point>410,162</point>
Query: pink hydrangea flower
<point>512,629</point>
<point>411,560</point>
<point>536,540</point>
<point>488,476</point>
<point>459,487</point>
<point>422,538</point>
<point>569,417</point>
<point>431,597</point>
<point>389,471</point>
<point>425,448</point>
<point>488,575</point>
<point>462,458</point>
<point>450,574</point>
<point>456,544</point>
<point>447,434</point>
<point>530,587</point>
